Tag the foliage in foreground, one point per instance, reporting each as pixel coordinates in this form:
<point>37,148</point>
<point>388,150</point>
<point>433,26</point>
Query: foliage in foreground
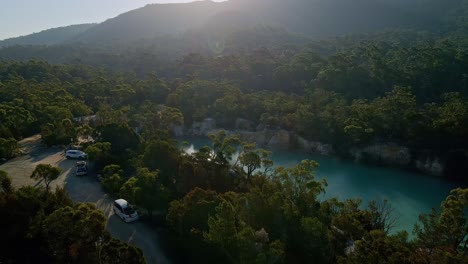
<point>39,226</point>
<point>222,208</point>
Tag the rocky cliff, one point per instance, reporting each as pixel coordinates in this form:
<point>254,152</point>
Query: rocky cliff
<point>263,136</point>
<point>390,154</point>
<point>431,165</point>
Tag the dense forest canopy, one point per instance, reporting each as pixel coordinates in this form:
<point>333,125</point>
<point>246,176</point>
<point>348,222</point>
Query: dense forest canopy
<point>348,74</point>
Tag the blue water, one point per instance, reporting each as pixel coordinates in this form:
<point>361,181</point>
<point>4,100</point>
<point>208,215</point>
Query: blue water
<point>409,193</point>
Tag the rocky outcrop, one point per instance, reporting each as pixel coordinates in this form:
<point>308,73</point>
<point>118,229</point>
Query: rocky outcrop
<point>395,155</point>
<point>431,165</point>
<point>280,140</point>
<point>259,138</point>
<point>271,138</point>
<point>283,139</point>
<point>313,146</point>
<point>389,154</point>
<point>274,139</point>
<point>261,135</point>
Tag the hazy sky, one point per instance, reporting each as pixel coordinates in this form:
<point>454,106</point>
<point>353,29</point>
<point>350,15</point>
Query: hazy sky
<point>22,17</point>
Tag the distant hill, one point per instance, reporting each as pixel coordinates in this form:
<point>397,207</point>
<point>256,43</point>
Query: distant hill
<point>153,53</point>
<point>234,24</point>
<point>326,18</point>
<point>152,21</point>
<point>48,37</point>
<point>317,18</point>
<point>314,18</point>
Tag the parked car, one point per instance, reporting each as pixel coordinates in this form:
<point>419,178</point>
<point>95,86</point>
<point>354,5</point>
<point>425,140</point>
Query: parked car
<point>81,163</point>
<point>124,210</point>
<point>75,154</point>
<point>81,168</point>
<point>81,171</point>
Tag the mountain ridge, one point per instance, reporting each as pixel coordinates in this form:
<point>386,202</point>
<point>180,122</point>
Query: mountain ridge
<point>129,22</point>
<point>49,36</point>
<point>315,18</point>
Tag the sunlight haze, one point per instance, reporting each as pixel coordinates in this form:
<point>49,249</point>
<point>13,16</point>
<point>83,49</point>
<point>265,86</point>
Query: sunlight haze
<point>234,131</point>
<point>22,17</point>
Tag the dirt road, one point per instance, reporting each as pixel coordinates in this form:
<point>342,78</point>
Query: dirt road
<point>81,189</point>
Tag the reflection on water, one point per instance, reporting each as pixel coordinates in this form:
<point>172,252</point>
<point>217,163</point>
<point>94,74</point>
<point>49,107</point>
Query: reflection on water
<point>409,193</point>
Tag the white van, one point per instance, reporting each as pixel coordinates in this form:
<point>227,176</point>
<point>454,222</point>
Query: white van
<point>124,210</point>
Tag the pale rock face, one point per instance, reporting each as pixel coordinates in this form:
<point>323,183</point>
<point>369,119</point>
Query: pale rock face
<point>430,165</point>
<point>280,140</point>
<point>259,138</point>
<point>275,139</point>
<point>263,137</point>
<point>390,154</point>
<point>323,149</point>
<point>356,154</point>
<point>302,143</point>
<point>313,146</point>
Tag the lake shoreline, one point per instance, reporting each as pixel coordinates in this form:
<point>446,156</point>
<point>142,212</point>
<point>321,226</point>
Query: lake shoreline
<point>410,193</point>
<point>381,154</point>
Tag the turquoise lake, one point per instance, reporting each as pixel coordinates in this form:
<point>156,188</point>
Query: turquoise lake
<point>409,193</point>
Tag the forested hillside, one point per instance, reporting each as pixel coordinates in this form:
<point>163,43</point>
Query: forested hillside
<point>316,19</point>
<point>214,210</point>
<point>313,18</point>
<point>349,75</point>
<point>346,95</point>
<point>48,37</point>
